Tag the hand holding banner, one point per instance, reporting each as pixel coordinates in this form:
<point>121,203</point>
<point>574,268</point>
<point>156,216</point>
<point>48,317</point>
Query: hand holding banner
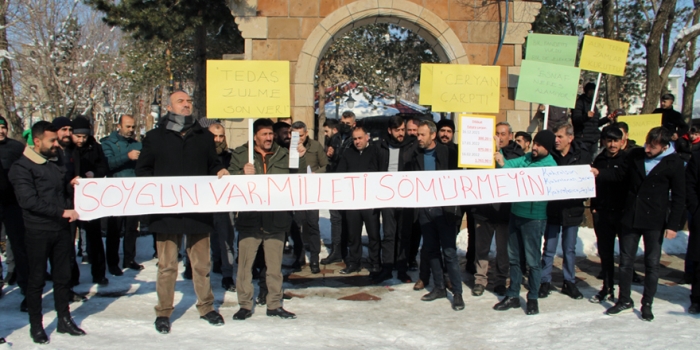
<point>604,55</point>
<point>463,87</point>
<point>548,84</point>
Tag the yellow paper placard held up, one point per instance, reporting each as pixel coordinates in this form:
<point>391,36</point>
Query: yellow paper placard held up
<point>466,88</point>
<point>476,142</point>
<point>604,55</point>
<point>248,89</point>
<point>426,84</point>
<point>640,125</point>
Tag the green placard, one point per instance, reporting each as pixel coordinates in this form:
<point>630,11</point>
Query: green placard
<point>549,84</point>
<point>550,48</point>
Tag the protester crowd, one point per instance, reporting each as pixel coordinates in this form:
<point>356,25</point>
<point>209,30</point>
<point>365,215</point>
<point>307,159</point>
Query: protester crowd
<point>643,193</point>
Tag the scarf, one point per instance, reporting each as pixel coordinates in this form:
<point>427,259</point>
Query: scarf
<point>221,146</point>
<point>651,163</point>
<point>178,123</point>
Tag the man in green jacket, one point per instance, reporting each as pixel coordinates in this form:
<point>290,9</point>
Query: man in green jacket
<point>266,228</point>
<point>528,221</point>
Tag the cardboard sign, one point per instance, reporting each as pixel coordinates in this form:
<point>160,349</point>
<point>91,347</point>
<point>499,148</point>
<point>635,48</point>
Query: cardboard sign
<point>549,48</point>
<point>476,143</point>
<point>96,198</point>
<point>248,89</point>
<point>466,88</point>
<point>548,84</point>
<point>294,151</point>
<point>426,84</point>
<point>640,125</point>
<point>604,55</point>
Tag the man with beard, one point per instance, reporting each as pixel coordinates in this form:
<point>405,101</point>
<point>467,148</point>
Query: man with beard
<point>524,140</point>
<point>181,147</point>
<point>89,162</point>
<point>10,212</point>
<point>40,187</point>
<point>222,236</point>
<point>492,219</point>
<point>393,150</point>
<point>121,151</point>
<point>412,127</point>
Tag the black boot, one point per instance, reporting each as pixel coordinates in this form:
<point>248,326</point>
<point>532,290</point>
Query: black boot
<point>545,290</point>
<point>214,318</point>
<point>350,269</point>
<point>228,284</point>
<point>281,313</point>
<point>436,293</point>
<point>458,302</point>
<point>242,314</point>
<point>262,297</point>
<point>315,269</point>
<point>507,303</point>
<point>385,274</point>
<point>67,326</point>
<point>694,308</point>
<point>334,257</point>
<point>571,290</point>
<point>162,325</point>
<point>647,315</point>
<point>532,307</point>
<point>39,335</point>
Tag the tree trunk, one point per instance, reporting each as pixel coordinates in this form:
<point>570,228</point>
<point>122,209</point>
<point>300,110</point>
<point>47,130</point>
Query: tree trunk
<point>200,71</point>
<point>612,86</point>
<point>654,64</point>
<point>690,86</point>
<point>8,93</point>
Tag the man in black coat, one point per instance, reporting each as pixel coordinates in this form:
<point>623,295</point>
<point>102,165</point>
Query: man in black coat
<point>10,213</point>
<point>40,187</point>
<point>362,157</point>
<point>181,147</point>
<point>564,216</point>
<point>585,121</point>
<point>90,162</point>
<point>650,173</point>
<point>393,150</point>
<point>692,183</point>
<point>671,119</point>
<point>492,219</point>
<point>438,223</point>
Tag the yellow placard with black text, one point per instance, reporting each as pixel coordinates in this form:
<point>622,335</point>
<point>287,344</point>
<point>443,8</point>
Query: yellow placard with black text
<point>466,88</point>
<point>604,55</point>
<point>639,125</point>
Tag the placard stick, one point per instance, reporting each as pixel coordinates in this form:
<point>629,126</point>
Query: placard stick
<point>251,142</point>
<point>595,96</point>
<point>546,117</point>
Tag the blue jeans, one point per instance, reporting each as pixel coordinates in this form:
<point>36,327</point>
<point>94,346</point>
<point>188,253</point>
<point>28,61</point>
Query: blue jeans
<point>440,231</point>
<point>525,238</point>
<point>569,234</point>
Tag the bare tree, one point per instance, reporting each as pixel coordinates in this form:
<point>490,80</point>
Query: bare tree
<point>7,98</point>
<point>692,69</point>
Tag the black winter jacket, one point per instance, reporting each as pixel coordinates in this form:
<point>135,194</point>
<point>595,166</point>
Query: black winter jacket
<point>10,151</point>
<point>416,162</point>
<point>384,151</point>
<point>672,120</point>
<point>610,195</point>
<point>585,128</point>
<point>354,161</point>
<point>168,153</point>
<point>692,190</point>
<point>90,157</point>
<point>569,212</point>
<point>40,187</point>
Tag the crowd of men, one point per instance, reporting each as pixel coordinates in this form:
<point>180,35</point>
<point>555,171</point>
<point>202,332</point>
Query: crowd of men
<point>642,193</point>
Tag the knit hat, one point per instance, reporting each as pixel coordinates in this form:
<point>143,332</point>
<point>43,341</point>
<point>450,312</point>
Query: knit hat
<point>62,122</point>
<point>81,126</point>
<point>3,121</point>
<point>545,138</point>
<point>446,123</point>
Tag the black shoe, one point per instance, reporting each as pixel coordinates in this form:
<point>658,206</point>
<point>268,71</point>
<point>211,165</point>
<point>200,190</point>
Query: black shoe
<point>163,325</point>
<point>115,271</point>
<point>436,293</point>
<point>333,258</point>
<point>647,315</point>
<point>500,290</point>
<point>315,269</point>
<point>188,272</point>
<point>262,297</point>
<point>571,290</point>
<point>458,302</point>
<point>350,269</point>
<point>214,318</point>
<point>23,305</point>
<point>3,341</point>
<point>134,266</point>
<point>620,307</point>
<point>403,277</point>
<point>412,266</point>
<point>216,267</point>
<point>228,284</point>
<point>532,308</point>
<point>380,277</point>
<point>545,290</point>
<point>604,294</point>
<point>39,335</point>
<point>101,281</point>
<point>11,279</point>
<point>507,303</point>
<point>636,278</point>
<point>67,326</point>
<point>296,266</point>
<point>694,308</point>
<point>478,290</point>
<point>281,313</point>
<point>242,314</point>
<point>75,297</point>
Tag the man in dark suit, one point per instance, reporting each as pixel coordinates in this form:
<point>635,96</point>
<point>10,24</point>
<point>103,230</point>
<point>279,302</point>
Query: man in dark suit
<point>650,173</point>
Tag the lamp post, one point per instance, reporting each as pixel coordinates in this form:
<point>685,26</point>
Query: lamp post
<point>337,102</point>
<point>350,101</point>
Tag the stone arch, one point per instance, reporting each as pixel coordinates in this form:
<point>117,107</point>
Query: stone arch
<point>409,15</point>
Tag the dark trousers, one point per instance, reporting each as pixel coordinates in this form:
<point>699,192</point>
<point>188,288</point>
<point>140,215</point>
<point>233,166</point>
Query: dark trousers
<point>393,253</point>
<point>310,232</point>
<point>96,250</point>
<point>629,242</point>
<point>114,229</point>
<point>471,236</point>
<point>525,239</point>
<point>355,220</point>
<point>695,286</point>
<point>339,232</point>
<point>412,228</point>
<point>298,243</point>
<point>486,230</point>
<point>74,268</point>
<point>439,232</point>
<point>55,246</point>
<point>607,227</point>
<point>14,228</point>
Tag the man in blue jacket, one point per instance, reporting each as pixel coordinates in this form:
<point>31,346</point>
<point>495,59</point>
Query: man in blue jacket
<point>122,150</point>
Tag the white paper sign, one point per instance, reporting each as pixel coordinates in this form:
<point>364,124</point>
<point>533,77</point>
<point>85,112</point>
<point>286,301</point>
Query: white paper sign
<point>95,198</point>
<point>294,151</point>
<point>476,143</point>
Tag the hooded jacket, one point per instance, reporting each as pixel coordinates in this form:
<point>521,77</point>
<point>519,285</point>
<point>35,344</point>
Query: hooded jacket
<point>569,212</point>
<point>116,149</point>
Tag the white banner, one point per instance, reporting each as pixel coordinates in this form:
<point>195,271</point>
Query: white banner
<point>95,198</point>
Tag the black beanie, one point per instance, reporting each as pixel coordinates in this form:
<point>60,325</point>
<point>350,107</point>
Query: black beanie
<point>61,122</point>
<point>81,126</point>
<point>545,138</point>
<point>446,123</point>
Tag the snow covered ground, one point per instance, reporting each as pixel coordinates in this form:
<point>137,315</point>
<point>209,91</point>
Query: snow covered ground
<point>120,316</point>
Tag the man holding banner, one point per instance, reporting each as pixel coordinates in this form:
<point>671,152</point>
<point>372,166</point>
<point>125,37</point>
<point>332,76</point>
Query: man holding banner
<point>586,119</point>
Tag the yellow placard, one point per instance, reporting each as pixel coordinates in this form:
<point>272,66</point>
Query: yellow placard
<point>426,84</point>
<point>640,125</point>
<point>476,141</point>
<point>604,55</point>
<point>466,88</point>
<point>248,89</point>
